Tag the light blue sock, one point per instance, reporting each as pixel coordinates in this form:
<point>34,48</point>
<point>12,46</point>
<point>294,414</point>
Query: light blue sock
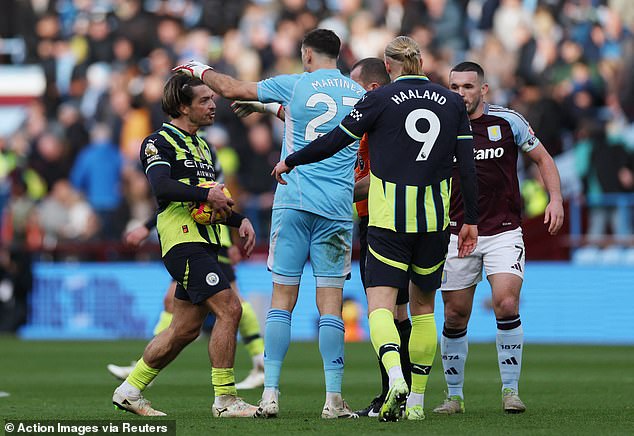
<point>331,348</point>
<point>277,338</point>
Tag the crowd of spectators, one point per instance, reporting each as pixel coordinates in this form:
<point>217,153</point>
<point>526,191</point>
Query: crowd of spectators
<point>71,173</point>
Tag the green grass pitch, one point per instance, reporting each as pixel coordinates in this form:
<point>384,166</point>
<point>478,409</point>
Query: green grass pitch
<point>567,389</point>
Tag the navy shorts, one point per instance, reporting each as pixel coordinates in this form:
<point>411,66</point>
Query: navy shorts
<point>403,293</point>
<point>196,269</point>
<point>395,258</point>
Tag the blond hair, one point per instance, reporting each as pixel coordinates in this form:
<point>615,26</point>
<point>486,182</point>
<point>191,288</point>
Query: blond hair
<point>406,51</point>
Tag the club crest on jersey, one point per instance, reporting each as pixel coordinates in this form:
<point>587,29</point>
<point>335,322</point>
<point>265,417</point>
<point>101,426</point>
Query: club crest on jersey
<point>495,133</point>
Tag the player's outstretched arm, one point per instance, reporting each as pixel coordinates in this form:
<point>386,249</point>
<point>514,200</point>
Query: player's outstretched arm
<point>554,213</point>
<point>223,84</point>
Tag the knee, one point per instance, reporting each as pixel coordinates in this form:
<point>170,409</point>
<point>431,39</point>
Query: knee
<point>456,316</point>
<point>231,311</point>
<point>506,306</point>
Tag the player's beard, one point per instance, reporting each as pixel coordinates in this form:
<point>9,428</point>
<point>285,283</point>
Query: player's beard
<point>471,108</point>
<point>203,121</point>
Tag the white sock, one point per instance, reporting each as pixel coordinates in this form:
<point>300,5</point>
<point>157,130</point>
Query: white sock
<point>334,398</point>
<point>414,399</point>
<point>224,400</point>
<point>454,356</point>
<point>510,344</point>
<point>129,391</point>
<point>394,374</point>
<point>258,361</point>
<point>270,394</point>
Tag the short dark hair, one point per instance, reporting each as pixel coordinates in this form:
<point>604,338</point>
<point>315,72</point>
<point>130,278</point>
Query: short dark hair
<point>372,70</point>
<point>178,91</point>
<point>323,41</point>
<point>469,66</point>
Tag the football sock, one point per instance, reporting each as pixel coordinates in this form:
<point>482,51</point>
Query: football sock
<point>129,391</point>
<point>142,375</point>
<point>510,341</point>
<point>385,381</point>
<point>454,347</point>
<point>277,338</point>
<point>250,330</point>
<point>386,342</point>
<point>164,322</point>
<point>404,331</point>
<point>422,350</point>
<point>414,399</point>
<point>223,381</point>
<point>331,334</point>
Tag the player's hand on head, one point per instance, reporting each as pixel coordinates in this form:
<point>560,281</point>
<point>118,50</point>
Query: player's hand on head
<point>281,168</point>
<point>467,239</point>
<point>193,68</point>
<point>218,201</point>
<point>247,233</point>
<point>136,236</point>
<point>554,216</point>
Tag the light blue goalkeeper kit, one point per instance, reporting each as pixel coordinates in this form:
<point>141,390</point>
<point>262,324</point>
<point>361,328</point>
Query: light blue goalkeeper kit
<point>314,104</point>
<point>312,214</point>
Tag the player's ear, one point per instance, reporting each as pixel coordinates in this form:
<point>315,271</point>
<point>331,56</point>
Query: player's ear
<point>183,109</point>
<point>484,89</point>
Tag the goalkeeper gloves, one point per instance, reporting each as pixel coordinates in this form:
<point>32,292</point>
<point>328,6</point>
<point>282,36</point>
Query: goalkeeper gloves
<point>193,68</point>
<point>245,108</point>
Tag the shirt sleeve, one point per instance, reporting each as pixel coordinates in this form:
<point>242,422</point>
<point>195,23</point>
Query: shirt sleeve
<point>155,150</point>
<point>524,136</point>
<point>321,148</point>
<point>156,157</point>
<point>167,189</point>
<point>464,129</point>
<point>466,167</point>
<point>278,89</point>
<point>363,115</point>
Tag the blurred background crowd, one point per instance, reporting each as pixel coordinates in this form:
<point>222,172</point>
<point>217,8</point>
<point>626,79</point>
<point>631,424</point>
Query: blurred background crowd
<point>70,180</point>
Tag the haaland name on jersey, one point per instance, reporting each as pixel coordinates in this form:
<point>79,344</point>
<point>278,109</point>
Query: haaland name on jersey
<point>415,93</point>
<point>336,82</point>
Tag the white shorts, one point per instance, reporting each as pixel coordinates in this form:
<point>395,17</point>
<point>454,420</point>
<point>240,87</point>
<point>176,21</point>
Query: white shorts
<point>501,253</point>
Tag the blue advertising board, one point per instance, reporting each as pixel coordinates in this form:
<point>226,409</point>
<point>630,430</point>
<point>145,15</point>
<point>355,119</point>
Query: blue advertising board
<point>560,302</point>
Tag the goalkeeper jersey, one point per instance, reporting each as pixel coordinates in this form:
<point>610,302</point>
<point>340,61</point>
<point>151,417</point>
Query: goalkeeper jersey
<point>314,104</point>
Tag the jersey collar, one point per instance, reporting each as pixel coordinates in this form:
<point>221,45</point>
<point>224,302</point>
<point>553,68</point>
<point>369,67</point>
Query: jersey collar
<point>183,134</point>
<point>412,76</point>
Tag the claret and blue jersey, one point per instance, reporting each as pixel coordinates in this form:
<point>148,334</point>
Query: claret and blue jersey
<point>314,104</point>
